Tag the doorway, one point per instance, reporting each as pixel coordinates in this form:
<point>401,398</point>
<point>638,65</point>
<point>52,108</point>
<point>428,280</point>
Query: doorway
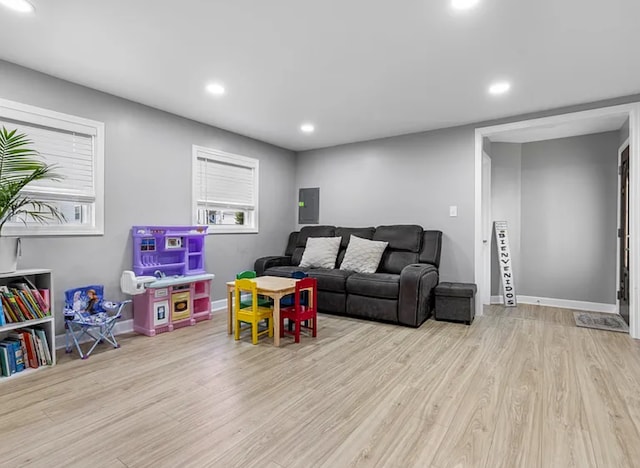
<point>631,248</point>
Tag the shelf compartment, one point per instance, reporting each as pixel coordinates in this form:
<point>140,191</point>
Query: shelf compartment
<point>166,265</point>
<point>40,279</point>
<point>202,304</point>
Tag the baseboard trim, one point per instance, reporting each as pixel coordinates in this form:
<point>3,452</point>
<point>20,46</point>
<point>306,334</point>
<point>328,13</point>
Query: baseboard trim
<point>218,305</point>
<point>562,303</point>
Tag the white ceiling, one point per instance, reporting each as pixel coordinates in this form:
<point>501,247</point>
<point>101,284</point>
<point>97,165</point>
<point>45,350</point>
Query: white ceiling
<point>357,69</point>
<point>562,130</point>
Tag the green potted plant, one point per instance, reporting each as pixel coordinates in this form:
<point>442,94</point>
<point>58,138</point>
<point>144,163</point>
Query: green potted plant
<point>20,165</point>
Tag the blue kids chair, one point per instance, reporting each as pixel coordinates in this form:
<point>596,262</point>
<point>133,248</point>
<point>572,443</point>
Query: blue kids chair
<point>87,314</point>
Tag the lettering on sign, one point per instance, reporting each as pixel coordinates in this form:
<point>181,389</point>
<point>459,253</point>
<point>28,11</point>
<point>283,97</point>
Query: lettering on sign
<point>506,268</point>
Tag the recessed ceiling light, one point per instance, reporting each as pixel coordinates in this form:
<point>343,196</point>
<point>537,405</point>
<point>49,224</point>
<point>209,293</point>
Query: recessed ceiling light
<point>499,87</point>
<point>23,6</point>
<point>216,89</point>
<point>307,128</point>
<point>463,4</point>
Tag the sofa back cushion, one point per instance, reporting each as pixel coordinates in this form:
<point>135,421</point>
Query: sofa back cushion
<point>400,236</point>
<point>314,231</point>
<point>291,243</point>
<point>431,248</point>
<point>405,241</point>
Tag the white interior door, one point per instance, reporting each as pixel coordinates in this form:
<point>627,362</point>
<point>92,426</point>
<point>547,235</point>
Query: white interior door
<point>485,288</point>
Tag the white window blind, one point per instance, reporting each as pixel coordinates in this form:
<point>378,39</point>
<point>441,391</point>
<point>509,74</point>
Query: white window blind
<point>71,153</point>
<point>224,184</point>
<point>225,191</point>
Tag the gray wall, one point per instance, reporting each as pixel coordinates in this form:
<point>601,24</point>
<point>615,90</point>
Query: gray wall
<point>506,164</point>
<point>569,205</point>
<point>147,181</point>
<point>401,180</point>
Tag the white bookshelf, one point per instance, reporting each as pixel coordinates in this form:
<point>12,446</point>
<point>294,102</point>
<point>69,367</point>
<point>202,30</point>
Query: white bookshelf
<point>42,280</point>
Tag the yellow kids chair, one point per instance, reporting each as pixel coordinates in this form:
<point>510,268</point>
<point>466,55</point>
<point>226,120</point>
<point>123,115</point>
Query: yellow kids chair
<point>251,313</point>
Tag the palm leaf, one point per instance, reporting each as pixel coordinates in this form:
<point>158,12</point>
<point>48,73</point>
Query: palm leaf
<point>21,165</point>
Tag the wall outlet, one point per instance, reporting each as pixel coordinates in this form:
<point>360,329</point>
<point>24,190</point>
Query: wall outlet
<point>453,211</point>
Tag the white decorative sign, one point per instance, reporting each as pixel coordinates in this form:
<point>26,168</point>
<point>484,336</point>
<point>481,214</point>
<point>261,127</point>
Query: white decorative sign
<point>506,269</point>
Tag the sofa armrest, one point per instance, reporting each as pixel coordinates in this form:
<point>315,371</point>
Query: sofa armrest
<point>264,263</point>
<point>416,301</point>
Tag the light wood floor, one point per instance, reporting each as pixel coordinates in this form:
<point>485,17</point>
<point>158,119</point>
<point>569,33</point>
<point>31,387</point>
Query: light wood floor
<point>519,388</point>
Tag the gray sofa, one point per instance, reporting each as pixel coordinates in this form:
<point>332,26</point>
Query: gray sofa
<point>401,291</point>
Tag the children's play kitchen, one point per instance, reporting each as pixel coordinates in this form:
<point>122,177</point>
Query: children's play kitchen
<point>169,284</point>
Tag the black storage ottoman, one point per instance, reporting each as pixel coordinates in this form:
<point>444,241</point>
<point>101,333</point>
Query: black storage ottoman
<point>456,302</point>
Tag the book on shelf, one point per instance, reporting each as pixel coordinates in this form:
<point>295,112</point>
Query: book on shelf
<point>26,313</point>
<point>31,296</point>
<point>5,367</point>
<point>3,320</point>
<point>41,345</point>
<point>29,349</point>
<point>11,300</point>
<point>11,357</point>
<point>14,336</point>
<point>21,358</point>
<point>44,299</point>
<point>27,300</point>
<point>8,313</point>
<point>45,344</point>
<point>40,295</point>
<point>15,355</point>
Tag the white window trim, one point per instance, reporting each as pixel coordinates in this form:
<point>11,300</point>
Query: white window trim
<point>45,117</point>
<point>223,156</point>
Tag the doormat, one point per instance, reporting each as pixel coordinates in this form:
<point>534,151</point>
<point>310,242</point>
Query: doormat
<point>610,322</point>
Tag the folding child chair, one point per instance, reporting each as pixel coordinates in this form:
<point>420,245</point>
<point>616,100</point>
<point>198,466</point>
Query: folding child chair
<point>87,314</point>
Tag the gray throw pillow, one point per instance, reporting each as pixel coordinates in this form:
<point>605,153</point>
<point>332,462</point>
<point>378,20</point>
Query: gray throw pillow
<point>320,252</point>
<point>363,255</point>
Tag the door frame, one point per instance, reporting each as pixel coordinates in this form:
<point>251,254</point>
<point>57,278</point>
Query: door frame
<point>485,298</point>
<point>632,111</point>
<point>621,148</point>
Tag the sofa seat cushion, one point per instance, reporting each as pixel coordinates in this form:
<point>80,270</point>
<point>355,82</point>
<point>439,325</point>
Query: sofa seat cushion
<point>386,285</point>
<point>330,279</point>
<point>283,271</point>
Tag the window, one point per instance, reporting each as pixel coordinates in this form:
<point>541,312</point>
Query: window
<point>225,191</point>
<point>76,146</point>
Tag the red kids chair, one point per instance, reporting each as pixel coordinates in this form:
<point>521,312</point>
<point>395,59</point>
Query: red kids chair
<point>300,311</point>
